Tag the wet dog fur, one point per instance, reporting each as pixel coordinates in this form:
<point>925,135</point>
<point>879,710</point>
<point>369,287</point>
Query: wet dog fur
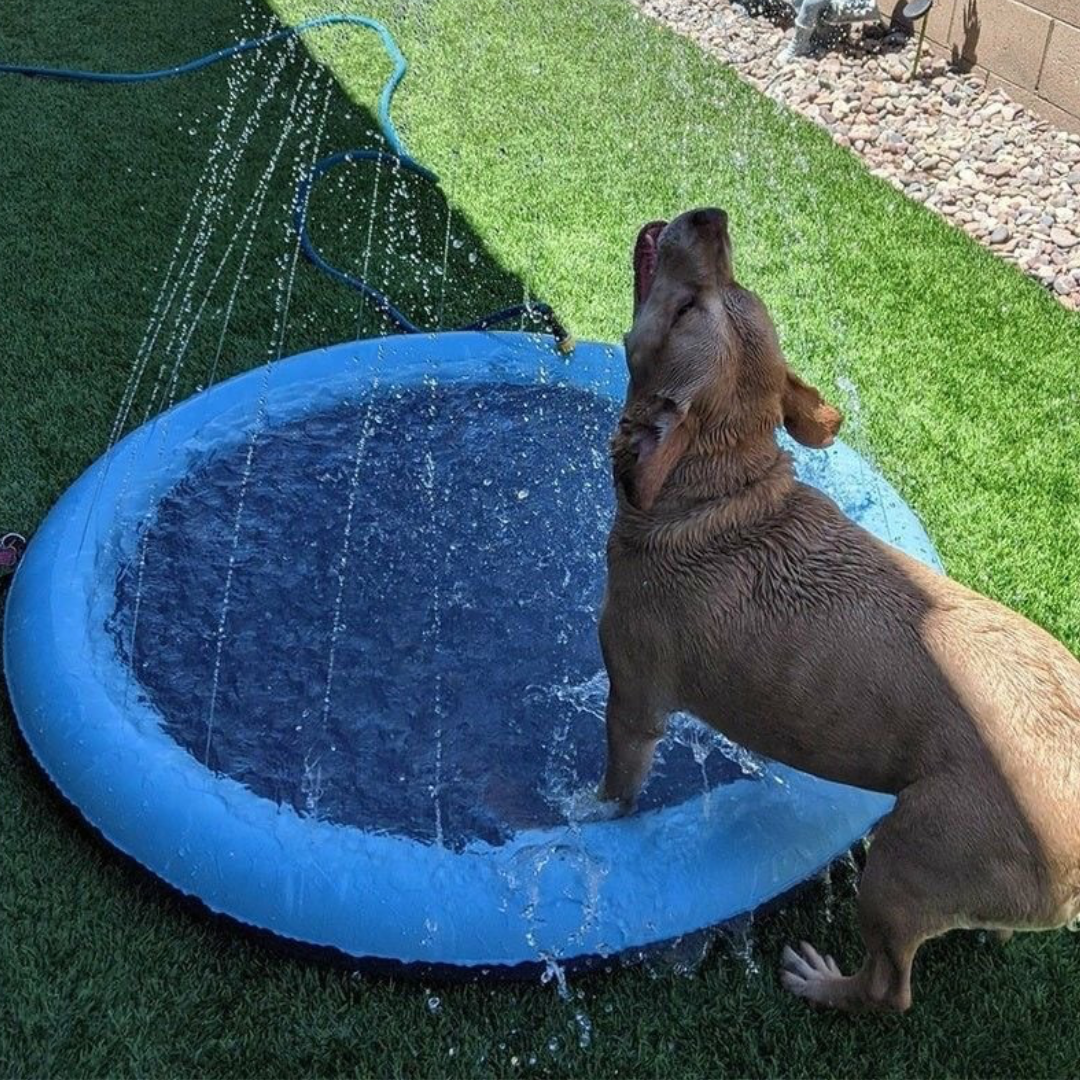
<point>747,598</point>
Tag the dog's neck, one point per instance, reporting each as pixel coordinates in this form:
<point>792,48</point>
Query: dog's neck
<point>721,485</point>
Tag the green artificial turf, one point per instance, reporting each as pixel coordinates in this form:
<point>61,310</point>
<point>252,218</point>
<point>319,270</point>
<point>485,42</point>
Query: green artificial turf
<point>558,128</point>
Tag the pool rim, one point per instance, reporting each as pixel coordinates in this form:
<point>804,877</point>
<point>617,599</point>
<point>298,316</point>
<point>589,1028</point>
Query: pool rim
<point>44,636</point>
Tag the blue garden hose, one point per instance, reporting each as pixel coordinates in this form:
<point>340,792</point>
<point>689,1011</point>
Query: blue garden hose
<point>396,154</point>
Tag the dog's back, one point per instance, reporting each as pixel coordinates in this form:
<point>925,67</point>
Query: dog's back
<point>786,630</point>
<point>803,637</point>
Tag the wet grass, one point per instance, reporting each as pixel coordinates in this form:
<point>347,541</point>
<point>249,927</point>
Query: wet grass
<point>558,128</point>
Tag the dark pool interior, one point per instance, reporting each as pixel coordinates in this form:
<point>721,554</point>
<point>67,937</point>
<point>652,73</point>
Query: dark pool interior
<point>409,640</point>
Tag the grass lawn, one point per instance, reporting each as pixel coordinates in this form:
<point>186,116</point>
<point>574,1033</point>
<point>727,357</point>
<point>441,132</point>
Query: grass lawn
<point>557,128</point>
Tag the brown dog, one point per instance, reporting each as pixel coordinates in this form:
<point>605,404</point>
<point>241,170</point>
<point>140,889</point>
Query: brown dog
<point>747,598</point>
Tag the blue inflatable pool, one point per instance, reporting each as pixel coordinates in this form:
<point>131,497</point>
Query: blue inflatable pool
<point>317,647</point>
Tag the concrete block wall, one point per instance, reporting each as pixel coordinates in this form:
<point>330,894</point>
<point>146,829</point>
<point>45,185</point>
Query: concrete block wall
<point>1031,48</point>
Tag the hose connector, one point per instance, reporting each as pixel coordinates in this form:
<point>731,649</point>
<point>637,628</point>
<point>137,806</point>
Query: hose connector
<point>565,342</point>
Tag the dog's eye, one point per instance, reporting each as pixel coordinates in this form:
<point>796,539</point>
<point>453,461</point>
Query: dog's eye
<point>683,310</point>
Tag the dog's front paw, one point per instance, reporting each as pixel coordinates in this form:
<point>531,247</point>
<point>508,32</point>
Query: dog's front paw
<point>619,806</point>
<point>588,805</point>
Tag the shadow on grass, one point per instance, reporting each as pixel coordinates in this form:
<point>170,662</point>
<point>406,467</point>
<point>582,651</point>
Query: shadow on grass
<point>98,182</point>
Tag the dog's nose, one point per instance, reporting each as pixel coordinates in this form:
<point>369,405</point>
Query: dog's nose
<point>710,217</point>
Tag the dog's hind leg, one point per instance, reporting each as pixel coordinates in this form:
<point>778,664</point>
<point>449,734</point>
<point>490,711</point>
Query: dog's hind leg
<point>936,864</point>
<point>883,983</point>
<point>902,903</point>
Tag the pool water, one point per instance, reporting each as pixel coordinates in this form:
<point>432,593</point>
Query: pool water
<point>398,629</point>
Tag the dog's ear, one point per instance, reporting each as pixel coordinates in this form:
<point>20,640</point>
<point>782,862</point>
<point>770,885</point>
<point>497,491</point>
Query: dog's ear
<point>808,417</point>
<point>649,443</point>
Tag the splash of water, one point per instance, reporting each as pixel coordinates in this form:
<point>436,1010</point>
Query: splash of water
<point>740,937</point>
<point>190,274</point>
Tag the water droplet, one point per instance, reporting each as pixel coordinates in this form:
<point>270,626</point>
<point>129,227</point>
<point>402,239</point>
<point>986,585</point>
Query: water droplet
<point>584,1025</point>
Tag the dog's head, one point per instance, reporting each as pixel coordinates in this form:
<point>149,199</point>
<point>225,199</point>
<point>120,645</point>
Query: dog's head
<point>706,370</point>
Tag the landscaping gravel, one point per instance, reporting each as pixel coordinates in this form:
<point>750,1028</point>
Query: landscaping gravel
<point>985,163</point>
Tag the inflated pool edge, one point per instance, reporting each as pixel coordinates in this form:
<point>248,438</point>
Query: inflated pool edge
<point>602,888</point>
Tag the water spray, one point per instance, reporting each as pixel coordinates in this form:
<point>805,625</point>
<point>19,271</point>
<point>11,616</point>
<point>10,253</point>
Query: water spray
<point>564,341</point>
